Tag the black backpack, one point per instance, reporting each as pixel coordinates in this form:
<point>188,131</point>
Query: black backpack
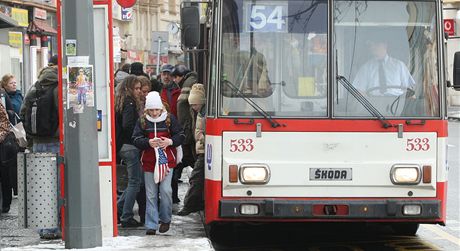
<point>41,117</point>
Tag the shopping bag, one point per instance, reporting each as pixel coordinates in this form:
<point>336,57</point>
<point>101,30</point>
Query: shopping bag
<point>20,134</point>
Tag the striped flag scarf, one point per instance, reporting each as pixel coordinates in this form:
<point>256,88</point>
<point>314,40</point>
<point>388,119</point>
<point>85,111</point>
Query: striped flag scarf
<point>161,165</point>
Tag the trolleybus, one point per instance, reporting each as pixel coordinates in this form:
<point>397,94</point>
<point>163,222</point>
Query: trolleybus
<point>303,126</point>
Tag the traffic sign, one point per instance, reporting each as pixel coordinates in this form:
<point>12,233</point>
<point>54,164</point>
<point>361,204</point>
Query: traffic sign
<point>126,3</point>
<point>162,38</point>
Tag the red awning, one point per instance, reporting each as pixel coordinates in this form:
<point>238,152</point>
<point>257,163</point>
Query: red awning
<point>41,26</point>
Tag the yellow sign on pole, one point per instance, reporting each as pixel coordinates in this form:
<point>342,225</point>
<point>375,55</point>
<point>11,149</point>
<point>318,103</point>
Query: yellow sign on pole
<point>15,40</point>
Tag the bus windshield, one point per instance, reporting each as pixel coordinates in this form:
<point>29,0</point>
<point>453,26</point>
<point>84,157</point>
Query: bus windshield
<point>276,54</point>
<point>390,59</point>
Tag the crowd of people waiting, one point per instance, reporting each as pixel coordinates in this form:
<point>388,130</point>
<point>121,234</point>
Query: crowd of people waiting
<point>159,131</point>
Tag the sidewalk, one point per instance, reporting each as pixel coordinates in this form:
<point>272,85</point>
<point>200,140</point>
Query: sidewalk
<point>453,112</point>
<point>186,233</point>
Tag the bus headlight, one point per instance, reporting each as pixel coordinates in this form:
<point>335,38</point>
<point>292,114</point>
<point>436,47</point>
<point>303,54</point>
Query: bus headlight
<point>254,174</point>
<point>405,174</point>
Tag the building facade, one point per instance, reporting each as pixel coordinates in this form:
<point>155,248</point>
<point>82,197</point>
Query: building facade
<point>133,29</point>
<point>26,47</point>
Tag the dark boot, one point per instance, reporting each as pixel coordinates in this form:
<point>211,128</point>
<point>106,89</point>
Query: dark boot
<point>141,200</point>
<point>174,185</point>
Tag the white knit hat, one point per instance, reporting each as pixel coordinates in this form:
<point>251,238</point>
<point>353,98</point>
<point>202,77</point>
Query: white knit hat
<point>197,95</point>
<point>153,101</point>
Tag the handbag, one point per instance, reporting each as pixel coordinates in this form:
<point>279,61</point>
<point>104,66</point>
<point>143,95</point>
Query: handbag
<point>9,149</point>
<point>19,132</point>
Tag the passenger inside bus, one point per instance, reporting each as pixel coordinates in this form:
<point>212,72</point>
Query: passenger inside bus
<point>244,74</point>
<point>246,69</point>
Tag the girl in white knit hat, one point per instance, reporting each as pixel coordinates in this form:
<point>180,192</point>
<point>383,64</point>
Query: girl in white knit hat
<point>157,134</point>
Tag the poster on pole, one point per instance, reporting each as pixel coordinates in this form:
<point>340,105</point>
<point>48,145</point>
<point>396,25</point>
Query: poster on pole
<point>70,47</point>
<point>80,87</point>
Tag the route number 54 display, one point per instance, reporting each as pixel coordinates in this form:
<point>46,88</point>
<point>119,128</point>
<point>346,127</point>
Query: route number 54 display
<point>266,18</point>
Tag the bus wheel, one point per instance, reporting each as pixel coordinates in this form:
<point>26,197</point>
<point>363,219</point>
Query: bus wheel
<point>409,229</point>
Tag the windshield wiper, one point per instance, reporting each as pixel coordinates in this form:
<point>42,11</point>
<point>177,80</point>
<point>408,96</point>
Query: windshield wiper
<point>363,101</point>
<point>256,107</point>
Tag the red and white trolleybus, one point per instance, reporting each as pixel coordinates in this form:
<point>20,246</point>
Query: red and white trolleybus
<point>305,123</point>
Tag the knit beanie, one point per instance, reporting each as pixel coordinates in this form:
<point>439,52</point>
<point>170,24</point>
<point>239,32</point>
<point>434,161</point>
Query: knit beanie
<point>137,68</point>
<point>153,101</point>
<point>53,60</point>
<point>197,95</point>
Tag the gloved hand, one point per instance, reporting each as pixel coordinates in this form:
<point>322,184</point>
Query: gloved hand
<point>165,142</point>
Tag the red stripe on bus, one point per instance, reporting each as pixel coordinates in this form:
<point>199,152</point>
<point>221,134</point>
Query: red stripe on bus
<point>216,127</point>
<point>213,193</point>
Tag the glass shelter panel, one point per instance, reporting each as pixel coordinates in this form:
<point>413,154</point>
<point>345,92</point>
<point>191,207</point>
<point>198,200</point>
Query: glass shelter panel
<point>387,51</point>
<point>274,53</point>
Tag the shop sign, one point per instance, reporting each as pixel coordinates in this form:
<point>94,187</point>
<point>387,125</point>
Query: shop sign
<point>21,16</point>
<point>136,56</point>
<point>39,13</point>
<point>15,39</point>
<point>449,27</point>
<point>126,3</point>
<point>126,14</point>
<point>116,45</point>
<point>153,59</point>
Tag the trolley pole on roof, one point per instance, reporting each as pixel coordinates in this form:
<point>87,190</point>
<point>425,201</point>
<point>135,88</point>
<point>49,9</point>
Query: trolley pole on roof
<point>82,199</point>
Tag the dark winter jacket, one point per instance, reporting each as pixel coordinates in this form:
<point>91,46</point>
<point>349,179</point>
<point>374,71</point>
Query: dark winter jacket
<point>145,130</point>
<point>183,107</point>
<point>8,105</point>
<point>125,122</point>
<point>48,78</point>
<point>16,100</point>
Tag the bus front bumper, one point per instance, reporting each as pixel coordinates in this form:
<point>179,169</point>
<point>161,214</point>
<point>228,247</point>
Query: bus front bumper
<point>331,209</point>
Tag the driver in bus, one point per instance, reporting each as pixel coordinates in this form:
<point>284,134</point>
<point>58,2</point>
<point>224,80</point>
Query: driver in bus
<point>384,75</point>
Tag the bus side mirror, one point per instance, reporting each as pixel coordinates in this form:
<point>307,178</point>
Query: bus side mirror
<point>190,23</point>
<point>456,74</point>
